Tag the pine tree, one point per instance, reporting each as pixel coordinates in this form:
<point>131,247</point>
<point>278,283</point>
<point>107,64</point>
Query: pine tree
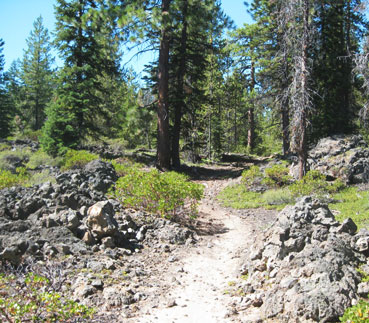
<point>5,108</point>
<point>37,75</point>
<point>90,51</point>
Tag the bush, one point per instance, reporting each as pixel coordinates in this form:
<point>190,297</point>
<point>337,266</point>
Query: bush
<point>123,167</point>
<point>7,157</point>
<point>40,158</point>
<point>31,300</point>
<point>357,313</point>
<point>251,176</point>
<point>314,183</point>
<point>280,196</point>
<point>167,194</point>
<point>277,176</point>
<point>77,159</point>
<point>8,179</point>
<point>40,178</point>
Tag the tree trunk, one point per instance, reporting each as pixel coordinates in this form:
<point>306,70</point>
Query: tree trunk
<point>250,113</point>
<point>285,109</point>
<point>163,146</point>
<point>302,148</point>
<point>180,98</point>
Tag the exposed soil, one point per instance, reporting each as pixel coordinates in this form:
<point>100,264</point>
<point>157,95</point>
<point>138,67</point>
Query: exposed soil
<point>196,283</point>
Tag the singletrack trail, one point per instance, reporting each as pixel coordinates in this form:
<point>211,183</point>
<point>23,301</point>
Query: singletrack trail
<point>196,287</point>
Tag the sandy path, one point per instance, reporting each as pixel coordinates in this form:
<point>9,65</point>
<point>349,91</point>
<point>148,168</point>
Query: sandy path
<point>203,274</point>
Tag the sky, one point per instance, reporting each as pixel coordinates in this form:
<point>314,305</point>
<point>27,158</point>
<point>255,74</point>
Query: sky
<point>17,18</point>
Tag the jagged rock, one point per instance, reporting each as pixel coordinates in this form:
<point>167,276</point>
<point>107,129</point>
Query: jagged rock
<point>345,157</point>
<point>306,263</point>
<point>100,220</point>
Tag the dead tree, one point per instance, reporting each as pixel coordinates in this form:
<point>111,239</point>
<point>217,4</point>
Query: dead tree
<point>295,20</point>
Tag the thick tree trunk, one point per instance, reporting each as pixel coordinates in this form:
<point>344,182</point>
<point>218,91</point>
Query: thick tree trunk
<point>163,146</point>
<point>302,148</point>
<point>180,98</point>
<point>250,114</point>
<point>285,109</point>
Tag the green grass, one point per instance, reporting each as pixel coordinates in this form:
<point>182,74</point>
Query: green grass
<point>351,203</point>
<point>238,197</point>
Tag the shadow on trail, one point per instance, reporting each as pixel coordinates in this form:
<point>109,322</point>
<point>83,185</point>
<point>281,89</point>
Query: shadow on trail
<point>228,169</point>
<point>206,227</point>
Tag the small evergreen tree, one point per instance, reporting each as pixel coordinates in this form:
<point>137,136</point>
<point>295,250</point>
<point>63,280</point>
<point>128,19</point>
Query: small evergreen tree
<point>5,108</point>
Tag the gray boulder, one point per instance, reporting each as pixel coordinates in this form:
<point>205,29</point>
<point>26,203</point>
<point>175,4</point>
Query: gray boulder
<point>100,220</point>
<point>306,264</point>
<point>345,157</point>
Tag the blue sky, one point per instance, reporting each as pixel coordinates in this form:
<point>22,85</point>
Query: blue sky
<point>17,17</point>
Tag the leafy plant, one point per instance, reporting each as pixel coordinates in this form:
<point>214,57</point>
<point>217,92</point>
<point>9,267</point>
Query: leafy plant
<point>364,275</point>
<point>165,193</point>
<point>77,159</point>
<point>315,183</point>
<point>251,176</point>
<point>277,176</point>
<point>278,197</point>
<point>40,178</point>
<point>8,179</point>
<point>123,167</point>
<point>40,158</point>
<point>7,157</point>
<point>357,313</point>
<point>32,299</point>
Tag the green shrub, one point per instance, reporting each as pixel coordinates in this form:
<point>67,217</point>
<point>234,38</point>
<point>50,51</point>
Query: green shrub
<point>314,183</point>
<point>30,300</point>
<point>77,159</point>
<point>40,158</point>
<point>7,155</point>
<point>357,313</point>
<point>123,167</point>
<point>167,194</point>
<point>280,197</point>
<point>40,178</point>
<point>8,179</point>
<point>277,175</point>
<point>4,146</point>
<point>251,176</point>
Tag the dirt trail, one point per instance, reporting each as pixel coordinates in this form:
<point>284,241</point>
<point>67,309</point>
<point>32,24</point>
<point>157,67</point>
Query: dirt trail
<point>195,287</point>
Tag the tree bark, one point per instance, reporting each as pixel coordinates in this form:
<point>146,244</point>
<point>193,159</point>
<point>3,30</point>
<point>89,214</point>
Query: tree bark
<point>180,98</point>
<point>302,148</point>
<point>250,113</point>
<point>163,146</point>
<point>285,109</point>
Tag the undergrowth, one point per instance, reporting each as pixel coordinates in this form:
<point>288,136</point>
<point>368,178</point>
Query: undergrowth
<point>31,299</point>
<point>77,159</point>
<point>357,313</point>
<point>168,194</point>
<point>276,188</point>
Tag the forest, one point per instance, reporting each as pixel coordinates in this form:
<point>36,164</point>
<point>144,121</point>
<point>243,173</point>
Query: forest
<point>225,182</point>
<point>298,73</point>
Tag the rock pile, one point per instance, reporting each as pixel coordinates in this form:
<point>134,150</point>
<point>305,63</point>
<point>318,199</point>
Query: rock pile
<point>75,216</point>
<point>345,157</point>
<point>305,266</point>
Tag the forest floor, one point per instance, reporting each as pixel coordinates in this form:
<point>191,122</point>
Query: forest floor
<point>194,284</point>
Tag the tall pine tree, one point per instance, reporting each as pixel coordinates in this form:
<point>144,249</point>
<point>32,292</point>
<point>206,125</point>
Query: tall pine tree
<point>86,43</point>
<point>37,75</point>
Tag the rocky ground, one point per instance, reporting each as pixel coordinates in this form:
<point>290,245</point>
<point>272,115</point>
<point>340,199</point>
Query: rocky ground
<point>225,266</point>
